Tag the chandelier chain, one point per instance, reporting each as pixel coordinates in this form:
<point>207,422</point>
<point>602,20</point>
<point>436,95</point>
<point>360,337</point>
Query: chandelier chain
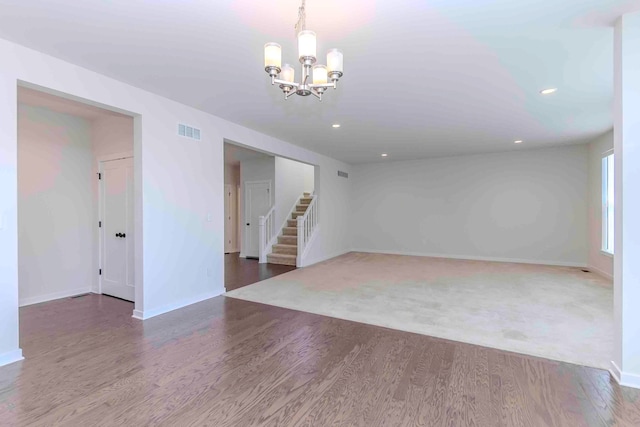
<point>301,25</point>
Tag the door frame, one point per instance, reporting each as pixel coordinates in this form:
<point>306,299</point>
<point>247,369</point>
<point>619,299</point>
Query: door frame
<point>100,160</point>
<point>233,212</point>
<point>246,206</point>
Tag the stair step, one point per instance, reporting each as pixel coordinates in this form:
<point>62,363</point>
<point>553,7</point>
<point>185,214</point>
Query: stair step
<point>301,208</point>
<point>285,249</point>
<point>290,231</point>
<point>305,200</point>
<point>297,214</point>
<point>288,240</point>
<point>292,223</point>
<point>307,194</point>
<point>281,259</point>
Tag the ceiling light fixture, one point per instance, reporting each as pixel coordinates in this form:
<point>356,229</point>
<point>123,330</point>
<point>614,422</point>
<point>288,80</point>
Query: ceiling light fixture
<point>384,154</point>
<point>548,91</point>
<point>335,125</point>
<point>322,76</point>
<point>519,141</point>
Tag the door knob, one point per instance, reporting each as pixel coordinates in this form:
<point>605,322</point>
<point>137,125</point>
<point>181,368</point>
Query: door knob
<point>248,224</point>
<point>117,234</point>
<point>123,235</point>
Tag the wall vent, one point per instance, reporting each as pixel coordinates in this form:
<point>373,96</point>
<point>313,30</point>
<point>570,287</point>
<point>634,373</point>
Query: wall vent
<point>188,131</point>
<point>343,174</point>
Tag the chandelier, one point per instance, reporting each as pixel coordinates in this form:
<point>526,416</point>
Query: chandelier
<point>322,76</point>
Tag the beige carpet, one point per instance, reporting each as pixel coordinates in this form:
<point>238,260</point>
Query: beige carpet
<point>559,313</point>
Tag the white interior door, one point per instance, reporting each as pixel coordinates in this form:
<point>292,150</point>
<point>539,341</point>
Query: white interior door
<point>257,203</point>
<point>230,215</point>
<point>116,215</point>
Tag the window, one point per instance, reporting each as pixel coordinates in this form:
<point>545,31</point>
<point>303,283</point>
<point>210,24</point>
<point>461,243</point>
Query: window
<point>607,204</point>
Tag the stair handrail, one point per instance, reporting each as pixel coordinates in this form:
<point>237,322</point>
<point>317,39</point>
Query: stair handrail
<point>266,236</point>
<point>306,226</point>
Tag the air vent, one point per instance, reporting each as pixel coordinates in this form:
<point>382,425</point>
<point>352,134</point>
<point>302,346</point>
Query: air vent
<point>343,174</point>
<point>188,131</point>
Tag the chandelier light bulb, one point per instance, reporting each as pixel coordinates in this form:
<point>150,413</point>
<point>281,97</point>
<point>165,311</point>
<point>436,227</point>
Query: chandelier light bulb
<point>319,74</point>
<point>306,45</point>
<point>335,61</point>
<point>288,73</point>
<point>272,55</point>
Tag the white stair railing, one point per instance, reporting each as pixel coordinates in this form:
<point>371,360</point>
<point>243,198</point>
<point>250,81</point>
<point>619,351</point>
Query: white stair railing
<point>266,232</point>
<point>306,226</point>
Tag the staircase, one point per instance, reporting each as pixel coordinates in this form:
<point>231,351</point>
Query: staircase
<point>285,252</point>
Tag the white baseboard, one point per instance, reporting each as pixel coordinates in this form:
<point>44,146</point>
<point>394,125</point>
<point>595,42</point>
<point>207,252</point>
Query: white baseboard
<point>53,296</point>
<point>11,357</point>
<point>476,258</point>
<point>148,314</point>
<point>624,379</point>
<point>308,263</point>
<point>600,272</point>
<point>242,255</point>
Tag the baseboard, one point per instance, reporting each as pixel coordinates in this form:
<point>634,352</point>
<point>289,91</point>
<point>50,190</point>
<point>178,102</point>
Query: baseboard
<point>148,314</point>
<point>11,357</point>
<point>600,272</point>
<point>242,255</point>
<point>325,258</point>
<point>476,258</point>
<point>53,296</point>
<point>624,379</point>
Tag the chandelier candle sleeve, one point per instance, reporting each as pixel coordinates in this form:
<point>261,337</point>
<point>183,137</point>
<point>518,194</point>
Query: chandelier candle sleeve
<point>319,74</point>
<point>306,45</point>
<point>335,61</point>
<point>288,73</point>
<point>272,55</point>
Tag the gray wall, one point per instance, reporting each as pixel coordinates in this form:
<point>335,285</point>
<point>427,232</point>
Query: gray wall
<point>527,206</point>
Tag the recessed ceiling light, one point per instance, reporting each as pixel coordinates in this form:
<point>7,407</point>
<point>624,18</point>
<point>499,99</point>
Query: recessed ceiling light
<point>548,91</point>
<point>519,141</point>
<point>384,154</point>
<point>335,125</point>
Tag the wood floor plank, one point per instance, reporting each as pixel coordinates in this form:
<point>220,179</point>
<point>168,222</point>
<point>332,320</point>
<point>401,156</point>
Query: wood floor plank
<point>227,362</point>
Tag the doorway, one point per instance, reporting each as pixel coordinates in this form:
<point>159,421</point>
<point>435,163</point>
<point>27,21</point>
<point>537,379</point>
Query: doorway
<point>261,181</point>
<point>116,228</point>
<point>257,202</point>
<point>75,188</point>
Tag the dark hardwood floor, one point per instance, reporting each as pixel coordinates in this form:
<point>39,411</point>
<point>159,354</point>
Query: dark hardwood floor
<point>239,272</point>
<point>227,362</point>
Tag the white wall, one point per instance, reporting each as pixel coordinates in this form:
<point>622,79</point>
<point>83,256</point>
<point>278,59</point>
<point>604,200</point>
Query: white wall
<point>626,295</point>
<point>9,348</point>
<point>54,206</point>
<point>110,135</point>
<point>528,206</point>
<point>334,209</point>
<point>292,179</point>
<point>263,169</point>
<point>175,187</point>
<point>598,260</point>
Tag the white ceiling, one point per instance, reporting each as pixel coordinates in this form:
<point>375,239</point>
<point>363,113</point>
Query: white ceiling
<point>36,98</point>
<point>422,77</point>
